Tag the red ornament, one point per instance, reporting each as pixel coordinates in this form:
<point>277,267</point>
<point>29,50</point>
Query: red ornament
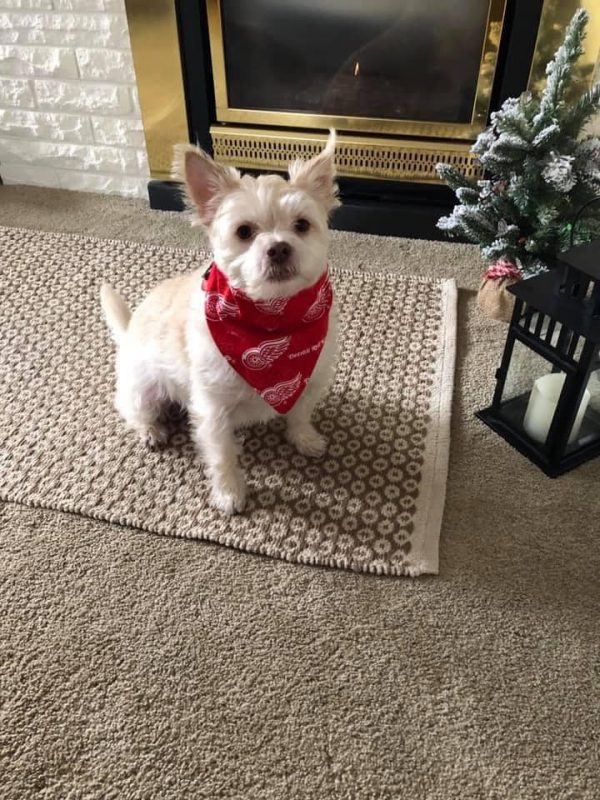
<point>502,269</point>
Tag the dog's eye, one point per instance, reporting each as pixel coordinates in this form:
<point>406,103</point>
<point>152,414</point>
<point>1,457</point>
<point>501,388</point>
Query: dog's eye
<point>301,225</point>
<point>244,232</point>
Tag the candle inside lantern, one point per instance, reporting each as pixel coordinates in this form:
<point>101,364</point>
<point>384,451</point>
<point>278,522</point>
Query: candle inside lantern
<point>542,405</point>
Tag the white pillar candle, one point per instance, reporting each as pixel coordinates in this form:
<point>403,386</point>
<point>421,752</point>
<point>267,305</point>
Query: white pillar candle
<point>542,405</point>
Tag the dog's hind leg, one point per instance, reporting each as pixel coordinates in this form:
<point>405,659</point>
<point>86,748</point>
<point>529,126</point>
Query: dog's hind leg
<point>140,399</point>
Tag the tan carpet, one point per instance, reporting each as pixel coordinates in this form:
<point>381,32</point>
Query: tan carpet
<point>373,503</point>
<point>138,666</point>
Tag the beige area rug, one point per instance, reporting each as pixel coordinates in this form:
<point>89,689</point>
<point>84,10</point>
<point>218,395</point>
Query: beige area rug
<point>374,503</point>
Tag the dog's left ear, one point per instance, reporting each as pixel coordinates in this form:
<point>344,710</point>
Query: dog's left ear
<point>317,176</point>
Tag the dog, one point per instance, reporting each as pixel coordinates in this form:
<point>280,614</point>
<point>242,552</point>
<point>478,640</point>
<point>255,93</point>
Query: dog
<point>253,338</point>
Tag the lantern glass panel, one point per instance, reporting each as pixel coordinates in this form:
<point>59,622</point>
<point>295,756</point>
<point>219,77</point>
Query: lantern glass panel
<point>531,393</point>
<point>523,406</point>
<point>594,390</point>
<point>524,368</point>
<point>590,427</point>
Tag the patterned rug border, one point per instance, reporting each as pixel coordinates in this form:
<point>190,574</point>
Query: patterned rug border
<point>436,477</point>
<point>438,443</point>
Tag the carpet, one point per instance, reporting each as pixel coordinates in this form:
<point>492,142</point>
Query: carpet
<point>150,668</point>
<point>374,503</point>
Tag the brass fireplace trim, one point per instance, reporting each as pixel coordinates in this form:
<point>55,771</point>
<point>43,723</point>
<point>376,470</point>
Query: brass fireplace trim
<point>155,48</point>
<point>549,37</point>
<point>355,156</point>
<point>366,125</point>
<point>157,62</point>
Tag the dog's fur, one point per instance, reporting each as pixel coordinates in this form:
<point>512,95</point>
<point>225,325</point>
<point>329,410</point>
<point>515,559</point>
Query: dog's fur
<point>165,352</point>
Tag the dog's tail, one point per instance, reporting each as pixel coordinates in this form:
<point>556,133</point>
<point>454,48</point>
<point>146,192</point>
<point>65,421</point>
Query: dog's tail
<point>116,311</point>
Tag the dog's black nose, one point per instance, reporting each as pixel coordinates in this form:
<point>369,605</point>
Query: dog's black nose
<point>279,253</point>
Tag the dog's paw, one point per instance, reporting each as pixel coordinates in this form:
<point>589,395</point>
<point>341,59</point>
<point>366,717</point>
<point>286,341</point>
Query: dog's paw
<point>308,441</point>
<point>230,496</point>
<point>155,436</point>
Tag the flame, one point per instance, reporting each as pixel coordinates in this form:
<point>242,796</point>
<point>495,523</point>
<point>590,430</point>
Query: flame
<point>357,69</point>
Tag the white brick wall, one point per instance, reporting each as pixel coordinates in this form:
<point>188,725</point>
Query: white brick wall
<point>69,112</point>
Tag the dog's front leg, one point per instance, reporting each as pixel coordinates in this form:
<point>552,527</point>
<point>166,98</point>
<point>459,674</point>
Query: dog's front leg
<point>215,438</point>
<point>300,430</point>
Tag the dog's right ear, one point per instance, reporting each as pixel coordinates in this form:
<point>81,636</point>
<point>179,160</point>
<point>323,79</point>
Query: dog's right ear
<point>206,182</point>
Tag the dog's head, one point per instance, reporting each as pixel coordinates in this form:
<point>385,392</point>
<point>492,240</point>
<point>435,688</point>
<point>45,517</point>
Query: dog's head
<point>269,235</point>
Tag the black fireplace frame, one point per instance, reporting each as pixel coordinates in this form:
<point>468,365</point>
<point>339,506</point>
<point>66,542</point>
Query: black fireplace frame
<point>391,208</point>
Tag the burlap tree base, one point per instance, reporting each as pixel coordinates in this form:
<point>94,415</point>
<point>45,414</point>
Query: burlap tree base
<point>493,298</point>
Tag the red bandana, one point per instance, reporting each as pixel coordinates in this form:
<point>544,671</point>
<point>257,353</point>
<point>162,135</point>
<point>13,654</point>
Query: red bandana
<point>273,344</point>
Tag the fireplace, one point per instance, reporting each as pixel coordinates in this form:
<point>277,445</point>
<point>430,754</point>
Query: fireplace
<point>405,83</point>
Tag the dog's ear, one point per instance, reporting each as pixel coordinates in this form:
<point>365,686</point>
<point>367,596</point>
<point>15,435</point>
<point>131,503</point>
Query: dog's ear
<point>206,182</point>
<point>317,176</point>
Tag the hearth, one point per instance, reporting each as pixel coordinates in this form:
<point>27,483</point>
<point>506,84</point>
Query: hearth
<point>405,83</point>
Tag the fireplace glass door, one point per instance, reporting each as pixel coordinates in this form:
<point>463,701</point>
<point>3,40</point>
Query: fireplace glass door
<point>384,66</point>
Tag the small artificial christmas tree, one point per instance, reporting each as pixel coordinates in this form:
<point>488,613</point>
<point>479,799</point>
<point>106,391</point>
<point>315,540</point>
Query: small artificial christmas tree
<point>539,172</point>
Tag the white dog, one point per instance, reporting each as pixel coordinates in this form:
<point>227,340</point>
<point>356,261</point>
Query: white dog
<point>270,238</point>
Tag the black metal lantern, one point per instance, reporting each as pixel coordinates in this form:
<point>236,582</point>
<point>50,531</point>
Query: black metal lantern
<point>547,397</point>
